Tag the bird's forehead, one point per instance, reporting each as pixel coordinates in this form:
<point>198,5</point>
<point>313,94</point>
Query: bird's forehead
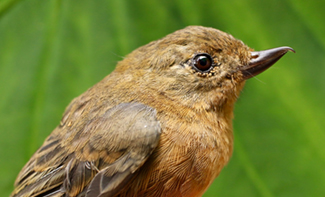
<point>210,40</point>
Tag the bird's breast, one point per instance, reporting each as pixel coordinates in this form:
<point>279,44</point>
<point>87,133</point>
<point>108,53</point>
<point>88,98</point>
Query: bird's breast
<point>190,155</point>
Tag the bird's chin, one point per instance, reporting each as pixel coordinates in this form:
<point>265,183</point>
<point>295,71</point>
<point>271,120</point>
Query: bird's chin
<point>262,60</point>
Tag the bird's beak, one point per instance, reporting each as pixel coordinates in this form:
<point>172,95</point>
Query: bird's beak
<point>262,60</point>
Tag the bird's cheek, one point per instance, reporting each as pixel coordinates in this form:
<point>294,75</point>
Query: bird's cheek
<point>232,85</point>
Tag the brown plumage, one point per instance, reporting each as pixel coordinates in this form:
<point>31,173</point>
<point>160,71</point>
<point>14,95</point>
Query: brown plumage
<point>159,125</point>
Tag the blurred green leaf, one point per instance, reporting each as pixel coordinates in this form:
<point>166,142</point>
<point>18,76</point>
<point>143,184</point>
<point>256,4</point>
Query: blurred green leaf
<point>52,51</point>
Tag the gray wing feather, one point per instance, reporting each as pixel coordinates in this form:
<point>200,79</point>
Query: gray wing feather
<point>138,134</point>
<point>98,158</point>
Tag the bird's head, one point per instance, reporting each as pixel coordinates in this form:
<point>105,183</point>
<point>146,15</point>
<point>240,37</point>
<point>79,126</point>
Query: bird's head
<point>200,67</point>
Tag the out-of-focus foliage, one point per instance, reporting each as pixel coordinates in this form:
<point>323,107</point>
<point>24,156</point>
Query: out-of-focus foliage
<point>51,51</point>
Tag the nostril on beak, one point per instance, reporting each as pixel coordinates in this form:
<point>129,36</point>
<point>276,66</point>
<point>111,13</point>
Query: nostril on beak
<point>254,55</point>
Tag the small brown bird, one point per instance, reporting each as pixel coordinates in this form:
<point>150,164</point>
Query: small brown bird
<point>159,125</point>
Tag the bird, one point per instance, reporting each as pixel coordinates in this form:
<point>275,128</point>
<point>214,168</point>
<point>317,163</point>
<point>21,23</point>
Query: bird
<point>160,124</point>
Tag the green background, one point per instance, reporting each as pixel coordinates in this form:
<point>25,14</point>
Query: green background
<point>51,51</point>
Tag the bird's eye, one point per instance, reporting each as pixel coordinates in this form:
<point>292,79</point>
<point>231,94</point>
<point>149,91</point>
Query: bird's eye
<point>202,62</point>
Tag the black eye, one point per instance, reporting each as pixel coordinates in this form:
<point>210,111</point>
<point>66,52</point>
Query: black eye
<point>202,62</point>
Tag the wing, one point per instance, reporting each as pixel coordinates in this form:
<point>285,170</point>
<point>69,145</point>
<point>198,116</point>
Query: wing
<point>93,157</point>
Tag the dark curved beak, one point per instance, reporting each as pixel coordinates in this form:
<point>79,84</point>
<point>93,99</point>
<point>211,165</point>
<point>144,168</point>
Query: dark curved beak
<point>262,60</point>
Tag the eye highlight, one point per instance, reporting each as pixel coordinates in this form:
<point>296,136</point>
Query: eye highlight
<point>202,62</point>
